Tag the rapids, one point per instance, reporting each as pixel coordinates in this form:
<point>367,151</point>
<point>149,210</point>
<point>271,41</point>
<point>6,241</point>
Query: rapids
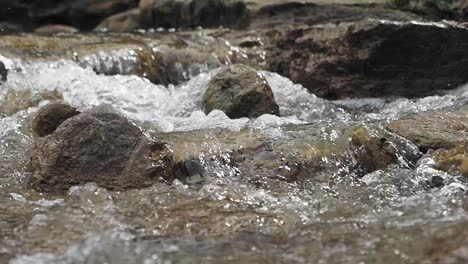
<point>388,216</point>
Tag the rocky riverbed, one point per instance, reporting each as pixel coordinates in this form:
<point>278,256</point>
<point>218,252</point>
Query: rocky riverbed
<point>225,131</point>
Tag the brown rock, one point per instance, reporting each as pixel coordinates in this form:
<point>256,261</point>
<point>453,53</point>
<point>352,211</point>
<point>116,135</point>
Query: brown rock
<point>121,22</point>
<point>453,159</point>
<point>49,117</point>
<point>371,58</point>
<point>99,146</point>
<point>240,91</point>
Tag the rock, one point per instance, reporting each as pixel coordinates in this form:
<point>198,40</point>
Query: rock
<point>122,22</point>
<point>443,129</point>
<point>54,29</point>
<point>370,58</point>
<point>49,117</point>
<point>372,153</point>
<point>99,146</point>
<point>435,9</point>
<point>240,91</point>
<point>160,57</point>
<point>453,159</point>
<point>301,154</point>
<point>3,72</point>
<point>82,14</point>
<point>9,28</point>
<point>193,13</point>
<point>17,100</point>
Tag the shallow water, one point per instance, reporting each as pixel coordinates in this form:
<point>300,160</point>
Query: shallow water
<point>330,216</point>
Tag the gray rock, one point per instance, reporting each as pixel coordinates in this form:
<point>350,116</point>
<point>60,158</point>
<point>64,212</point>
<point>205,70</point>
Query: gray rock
<point>99,146</point>
<point>240,91</point>
<point>49,117</point>
<point>193,13</point>
<point>54,29</point>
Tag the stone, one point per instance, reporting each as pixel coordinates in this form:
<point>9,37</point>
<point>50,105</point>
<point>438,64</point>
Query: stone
<point>455,159</point>
<point>370,58</point>
<point>122,22</point>
<point>55,29</point>
<point>435,9</point>
<point>240,91</point>
<point>82,14</point>
<point>49,117</point>
<point>3,72</point>
<point>372,153</point>
<point>99,146</point>
<point>18,100</point>
<point>442,129</point>
<point>193,13</point>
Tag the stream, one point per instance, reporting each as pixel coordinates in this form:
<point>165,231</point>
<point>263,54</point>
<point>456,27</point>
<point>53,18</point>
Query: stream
<point>229,215</point>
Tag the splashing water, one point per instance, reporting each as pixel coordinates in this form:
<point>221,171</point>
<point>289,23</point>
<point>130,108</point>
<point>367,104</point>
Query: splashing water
<point>389,215</point>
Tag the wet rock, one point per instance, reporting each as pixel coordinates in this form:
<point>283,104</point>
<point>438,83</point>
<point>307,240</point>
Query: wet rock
<point>159,57</point>
<point>435,9</point>
<point>240,91</point>
<point>99,146</point>
<point>17,100</point>
<point>193,13</point>
<point>299,154</point>
<point>122,22</point>
<point>82,14</point>
<point>453,160</point>
<point>54,29</point>
<point>444,129</point>
<point>49,117</point>
<point>3,72</point>
<point>371,58</point>
<point>372,153</point>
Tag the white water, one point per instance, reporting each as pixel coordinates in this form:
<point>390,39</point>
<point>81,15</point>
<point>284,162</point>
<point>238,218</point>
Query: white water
<point>388,216</point>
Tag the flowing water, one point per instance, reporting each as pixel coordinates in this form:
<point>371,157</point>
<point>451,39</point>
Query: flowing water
<point>334,216</point>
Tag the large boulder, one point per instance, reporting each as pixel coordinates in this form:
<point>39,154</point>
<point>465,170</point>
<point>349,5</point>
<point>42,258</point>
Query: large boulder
<point>435,9</point>
<point>442,129</point>
<point>98,146</point>
<point>453,160</point>
<point>49,117</point>
<point>82,14</point>
<point>371,58</point>
<point>240,91</point>
<point>193,13</point>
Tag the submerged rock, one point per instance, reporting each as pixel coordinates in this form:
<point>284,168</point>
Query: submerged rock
<point>372,153</point>
<point>193,13</point>
<point>49,117</point>
<point>442,129</point>
<point>300,153</point>
<point>99,146</point>
<point>240,91</point>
